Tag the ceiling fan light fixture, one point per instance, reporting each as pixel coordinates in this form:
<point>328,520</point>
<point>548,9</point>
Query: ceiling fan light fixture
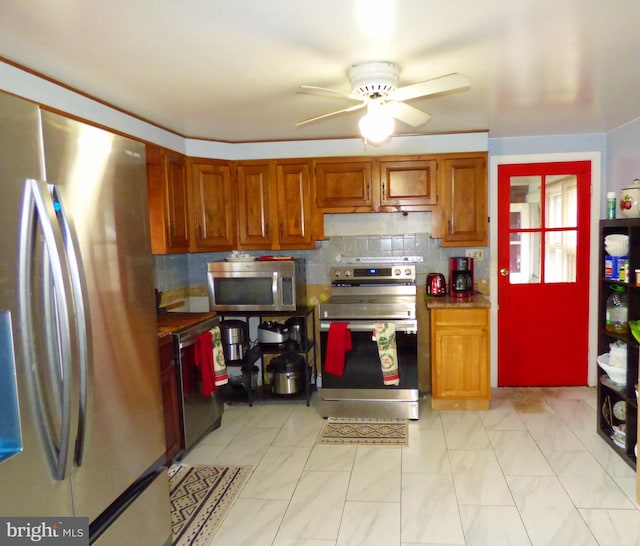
<point>376,125</point>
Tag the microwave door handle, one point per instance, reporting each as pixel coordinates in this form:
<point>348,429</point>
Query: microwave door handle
<point>276,283</point>
<point>38,209</point>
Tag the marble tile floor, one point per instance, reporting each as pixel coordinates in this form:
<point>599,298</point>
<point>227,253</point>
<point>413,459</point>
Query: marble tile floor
<point>531,470</point>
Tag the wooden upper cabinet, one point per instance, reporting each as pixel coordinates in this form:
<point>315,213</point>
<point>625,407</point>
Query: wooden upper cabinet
<point>408,184</point>
<point>293,188</point>
<point>371,184</point>
<point>254,205</point>
<point>168,201</point>
<point>214,218</point>
<point>344,183</point>
<point>463,188</point>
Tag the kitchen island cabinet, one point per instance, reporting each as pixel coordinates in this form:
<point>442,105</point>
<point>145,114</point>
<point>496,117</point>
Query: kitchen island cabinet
<point>168,198</point>
<point>460,376</point>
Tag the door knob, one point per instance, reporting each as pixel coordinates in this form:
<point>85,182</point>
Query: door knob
<point>504,272</point>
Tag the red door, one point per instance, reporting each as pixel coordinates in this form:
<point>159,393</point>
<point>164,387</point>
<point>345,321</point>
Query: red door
<point>543,273</point>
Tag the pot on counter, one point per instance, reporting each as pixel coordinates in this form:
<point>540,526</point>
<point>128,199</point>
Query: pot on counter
<point>235,339</point>
<point>288,373</point>
<point>273,333</point>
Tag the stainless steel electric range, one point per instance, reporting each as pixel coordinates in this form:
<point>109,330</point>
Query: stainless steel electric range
<point>366,296</point>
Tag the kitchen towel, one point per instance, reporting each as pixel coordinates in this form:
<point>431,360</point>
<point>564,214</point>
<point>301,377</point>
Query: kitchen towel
<point>338,343</point>
<point>204,360</point>
<point>385,334</point>
<point>219,364</point>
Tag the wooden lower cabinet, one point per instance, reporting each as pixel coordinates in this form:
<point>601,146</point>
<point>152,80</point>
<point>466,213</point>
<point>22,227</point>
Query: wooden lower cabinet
<point>460,359</point>
<point>170,397</point>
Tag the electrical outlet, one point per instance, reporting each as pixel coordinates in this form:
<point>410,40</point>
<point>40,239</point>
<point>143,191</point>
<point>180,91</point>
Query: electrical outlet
<point>476,253</point>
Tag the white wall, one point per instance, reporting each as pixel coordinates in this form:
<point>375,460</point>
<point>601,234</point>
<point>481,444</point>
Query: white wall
<point>623,156</point>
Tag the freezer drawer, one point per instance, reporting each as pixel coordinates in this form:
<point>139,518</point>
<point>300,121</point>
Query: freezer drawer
<point>146,522</point>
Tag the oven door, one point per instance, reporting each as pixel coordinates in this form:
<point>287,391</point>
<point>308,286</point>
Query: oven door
<point>360,391</point>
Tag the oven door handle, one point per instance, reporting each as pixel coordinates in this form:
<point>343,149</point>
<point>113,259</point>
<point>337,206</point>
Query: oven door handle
<point>408,326</point>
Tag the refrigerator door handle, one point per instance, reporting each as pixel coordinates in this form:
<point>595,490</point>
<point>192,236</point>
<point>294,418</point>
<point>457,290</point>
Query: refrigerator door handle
<point>82,314</point>
<point>39,209</point>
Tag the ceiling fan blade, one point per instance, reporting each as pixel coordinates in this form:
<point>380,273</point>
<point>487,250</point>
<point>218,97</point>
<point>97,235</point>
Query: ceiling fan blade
<point>407,114</point>
<point>330,114</point>
<point>444,84</point>
<point>323,92</point>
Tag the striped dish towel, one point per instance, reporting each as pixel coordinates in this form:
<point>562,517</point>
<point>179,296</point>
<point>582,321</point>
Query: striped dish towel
<point>219,365</point>
<point>385,334</point>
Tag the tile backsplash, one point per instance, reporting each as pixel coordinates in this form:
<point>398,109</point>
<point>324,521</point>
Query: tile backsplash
<point>179,270</point>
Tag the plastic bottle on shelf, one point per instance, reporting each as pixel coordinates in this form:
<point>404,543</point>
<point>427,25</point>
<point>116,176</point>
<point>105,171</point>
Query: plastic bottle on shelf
<point>616,311</point>
<point>611,205</point>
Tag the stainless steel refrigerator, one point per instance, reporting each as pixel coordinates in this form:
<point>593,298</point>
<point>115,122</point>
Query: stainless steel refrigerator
<point>78,338</point>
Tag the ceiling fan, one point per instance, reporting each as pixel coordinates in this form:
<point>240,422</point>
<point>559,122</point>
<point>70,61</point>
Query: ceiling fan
<point>374,85</point>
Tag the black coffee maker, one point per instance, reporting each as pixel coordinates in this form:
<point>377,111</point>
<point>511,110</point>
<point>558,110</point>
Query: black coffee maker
<point>460,277</point>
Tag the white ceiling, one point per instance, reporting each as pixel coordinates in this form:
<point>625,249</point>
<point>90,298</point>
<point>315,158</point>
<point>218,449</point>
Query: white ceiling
<point>228,70</point>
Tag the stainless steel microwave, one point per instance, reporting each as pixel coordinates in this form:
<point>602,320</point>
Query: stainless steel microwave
<point>278,285</point>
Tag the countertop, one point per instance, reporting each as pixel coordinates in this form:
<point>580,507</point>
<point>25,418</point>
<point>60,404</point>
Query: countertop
<point>448,302</point>
<point>172,322</point>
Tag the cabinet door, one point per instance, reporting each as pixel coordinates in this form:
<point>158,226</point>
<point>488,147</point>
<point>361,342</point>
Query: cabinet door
<point>168,201</point>
<point>293,183</point>
<point>254,205</point>
<point>170,397</point>
<point>213,207</point>
<point>460,350</point>
<point>408,185</point>
<point>463,187</point>
<point>344,184</point>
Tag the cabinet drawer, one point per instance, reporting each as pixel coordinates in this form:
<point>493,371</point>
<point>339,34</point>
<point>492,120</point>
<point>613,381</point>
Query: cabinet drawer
<point>459,317</point>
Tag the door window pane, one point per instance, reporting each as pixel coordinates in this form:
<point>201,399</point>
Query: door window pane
<point>560,256</point>
<point>561,201</point>
<point>525,197</point>
<point>524,258</point>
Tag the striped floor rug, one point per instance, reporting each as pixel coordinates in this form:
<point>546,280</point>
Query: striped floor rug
<point>200,498</point>
<point>360,431</point>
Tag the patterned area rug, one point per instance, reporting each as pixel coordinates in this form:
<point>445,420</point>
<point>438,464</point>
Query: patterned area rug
<point>200,498</point>
<point>369,432</point>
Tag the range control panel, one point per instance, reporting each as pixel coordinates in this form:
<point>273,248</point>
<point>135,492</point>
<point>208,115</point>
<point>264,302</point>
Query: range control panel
<point>403,273</point>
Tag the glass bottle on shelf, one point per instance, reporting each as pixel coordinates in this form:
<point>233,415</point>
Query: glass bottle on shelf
<point>616,312</point>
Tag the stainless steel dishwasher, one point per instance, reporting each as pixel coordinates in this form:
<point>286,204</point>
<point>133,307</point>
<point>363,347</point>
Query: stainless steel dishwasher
<point>199,414</point>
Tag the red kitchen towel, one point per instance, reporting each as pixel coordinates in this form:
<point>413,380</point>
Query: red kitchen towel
<point>204,359</point>
<point>338,343</point>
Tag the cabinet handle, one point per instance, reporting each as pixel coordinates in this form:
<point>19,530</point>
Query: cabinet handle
<point>384,194</point>
<point>367,191</point>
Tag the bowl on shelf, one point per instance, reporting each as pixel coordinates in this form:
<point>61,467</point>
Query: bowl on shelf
<point>616,244</point>
<point>616,374</point>
<point>634,326</point>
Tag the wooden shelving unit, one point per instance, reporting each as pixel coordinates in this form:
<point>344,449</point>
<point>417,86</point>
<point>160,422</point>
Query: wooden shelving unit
<point>618,404</point>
